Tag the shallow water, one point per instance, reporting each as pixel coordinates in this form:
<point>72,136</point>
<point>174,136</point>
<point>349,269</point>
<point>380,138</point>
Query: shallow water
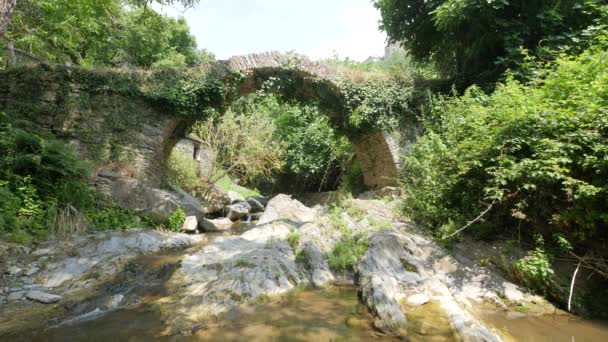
<point>554,328</point>
<point>318,315</point>
<point>306,315</point>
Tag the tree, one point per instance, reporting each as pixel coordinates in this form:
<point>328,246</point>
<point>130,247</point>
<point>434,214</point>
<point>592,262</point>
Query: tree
<point>101,33</point>
<point>6,13</point>
<point>476,40</point>
<point>64,31</point>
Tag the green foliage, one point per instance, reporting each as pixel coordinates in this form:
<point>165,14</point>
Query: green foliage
<point>38,174</point>
<point>293,238</point>
<point>313,152</point>
<point>182,170</point>
<point>537,149</point>
<point>476,40</point>
<point>93,33</point>
<point>346,252</point>
<point>176,220</point>
<point>227,184</point>
<point>535,270</point>
<point>44,186</point>
<point>112,217</point>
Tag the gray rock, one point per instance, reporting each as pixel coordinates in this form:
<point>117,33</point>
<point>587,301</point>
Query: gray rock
<point>16,295</point>
<point>380,274</point>
<point>238,211</point>
<point>217,225</point>
<point>113,175</point>
<point>256,206</point>
<point>284,208</point>
<point>320,274</point>
<point>399,264</point>
<point>33,270</point>
<point>235,197</point>
<point>14,270</point>
<point>105,251</point>
<point>263,200</point>
<point>191,205</point>
<point>42,251</point>
<point>232,270</point>
<point>43,297</point>
<point>24,250</point>
<point>190,224</point>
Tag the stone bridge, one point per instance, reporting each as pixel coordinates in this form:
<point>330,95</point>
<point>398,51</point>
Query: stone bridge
<point>113,128</point>
<point>378,152</point>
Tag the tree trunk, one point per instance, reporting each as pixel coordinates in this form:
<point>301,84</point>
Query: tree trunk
<point>6,13</point>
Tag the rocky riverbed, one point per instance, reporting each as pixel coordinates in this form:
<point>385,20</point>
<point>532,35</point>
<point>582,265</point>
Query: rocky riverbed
<point>411,286</point>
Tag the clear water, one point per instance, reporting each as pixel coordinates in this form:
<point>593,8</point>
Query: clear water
<point>307,315</point>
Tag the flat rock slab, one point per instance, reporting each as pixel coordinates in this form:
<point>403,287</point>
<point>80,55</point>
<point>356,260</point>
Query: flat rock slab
<point>43,297</point>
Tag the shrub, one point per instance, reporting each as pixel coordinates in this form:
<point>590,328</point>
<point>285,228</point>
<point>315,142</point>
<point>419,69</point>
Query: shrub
<point>182,170</point>
<point>176,220</point>
<point>293,238</point>
<point>537,150</point>
<point>240,145</point>
<point>346,253</point>
<point>113,217</point>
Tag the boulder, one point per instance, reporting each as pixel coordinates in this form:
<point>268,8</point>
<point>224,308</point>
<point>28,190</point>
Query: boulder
<point>215,200</point>
<point>235,197</point>
<point>284,208</point>
<point>238,211</point>
<point>320,274</point>
<point>43,297</point>
<point>190,224</point>
<point>256,206</point>
<point>233,270</point>
<point>217,225</point>
<point>191,205</point>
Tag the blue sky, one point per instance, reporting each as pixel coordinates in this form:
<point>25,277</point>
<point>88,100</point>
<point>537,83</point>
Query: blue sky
<point>317,28</point>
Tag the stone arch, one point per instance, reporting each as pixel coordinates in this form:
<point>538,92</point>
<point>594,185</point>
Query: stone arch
<point>308,81</point>
<point>98,121</point>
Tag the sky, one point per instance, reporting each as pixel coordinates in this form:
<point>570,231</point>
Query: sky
<point>317,28</point>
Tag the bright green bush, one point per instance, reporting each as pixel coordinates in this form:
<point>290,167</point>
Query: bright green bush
<point>182,170</point>
<point>537,150</point>
<point>314,154</point>
<point>112,217</point>
<point>346,253</point>
<point>176,220</point>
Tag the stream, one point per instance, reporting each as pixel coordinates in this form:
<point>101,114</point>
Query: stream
<point>303,313</point>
